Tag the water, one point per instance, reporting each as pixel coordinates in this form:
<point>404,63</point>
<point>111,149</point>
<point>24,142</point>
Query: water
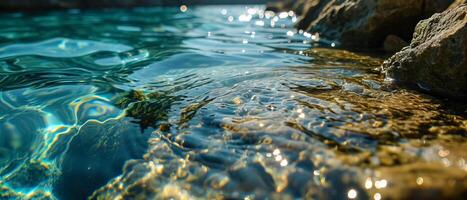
<point>214,102</point>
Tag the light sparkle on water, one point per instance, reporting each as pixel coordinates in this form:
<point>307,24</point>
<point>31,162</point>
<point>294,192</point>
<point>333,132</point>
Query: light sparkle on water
<point>183,8</point>
<point>352,194</point>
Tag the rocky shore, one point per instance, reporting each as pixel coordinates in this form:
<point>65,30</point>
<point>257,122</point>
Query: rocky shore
<point>436,59</point>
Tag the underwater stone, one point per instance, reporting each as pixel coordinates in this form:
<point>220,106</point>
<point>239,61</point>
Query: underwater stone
<point>362,23</point>
<point>96,155</point>
<point>436,60</point>
<point>253,177</point>
<point>148,109</point>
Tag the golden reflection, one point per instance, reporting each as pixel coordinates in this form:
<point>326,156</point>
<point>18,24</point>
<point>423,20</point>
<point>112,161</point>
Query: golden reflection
<point>419,181</point>
<point>443,152</point>
<point>352,194</point>
<point>377,196</point>
<point>301,115</point>
<point>368,183</point>
<point>381,184</point>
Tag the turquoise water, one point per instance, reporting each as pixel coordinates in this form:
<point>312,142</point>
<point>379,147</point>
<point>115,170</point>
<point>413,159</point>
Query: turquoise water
<point>214,102</point>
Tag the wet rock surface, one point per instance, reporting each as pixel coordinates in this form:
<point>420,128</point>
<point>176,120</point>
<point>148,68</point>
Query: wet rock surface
<point>362,23</point>
<point>436,60</point>
<point>457,3</point>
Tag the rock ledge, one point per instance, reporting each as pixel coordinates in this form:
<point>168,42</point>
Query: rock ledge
<point>436,60</point>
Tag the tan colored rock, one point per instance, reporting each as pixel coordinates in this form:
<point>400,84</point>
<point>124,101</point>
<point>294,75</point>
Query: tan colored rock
<point>457,3</point>
<point>436,60</point>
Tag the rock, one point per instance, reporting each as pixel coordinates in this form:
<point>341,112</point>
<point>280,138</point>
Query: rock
<point>436,60</point>
<point>148,109</point>
<point>281,5</point>
<point>96,154</point>
<point>363,23</point>
<point>457,3</point>
<point>394,44</point>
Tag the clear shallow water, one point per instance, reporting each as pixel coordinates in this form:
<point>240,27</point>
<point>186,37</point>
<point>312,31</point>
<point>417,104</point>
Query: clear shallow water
<point>215,102</point>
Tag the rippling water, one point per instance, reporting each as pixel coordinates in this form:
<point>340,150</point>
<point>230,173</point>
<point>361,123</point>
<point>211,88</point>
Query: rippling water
<point>215,102</point>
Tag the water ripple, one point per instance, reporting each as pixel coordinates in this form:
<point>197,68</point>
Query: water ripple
<point>61,48</point>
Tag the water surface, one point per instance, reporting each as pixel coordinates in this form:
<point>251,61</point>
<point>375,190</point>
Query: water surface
<point>226,102</point>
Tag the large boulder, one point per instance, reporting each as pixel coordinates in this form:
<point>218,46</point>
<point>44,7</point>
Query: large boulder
<point>436,60</point>
<point>362,23</point>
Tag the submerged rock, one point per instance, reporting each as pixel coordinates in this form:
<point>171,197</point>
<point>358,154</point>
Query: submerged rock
<point>356,60</point>
<point>148,109</point>
<point>96,155</point>
<point>436,60</point>
<point>362,23</point>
